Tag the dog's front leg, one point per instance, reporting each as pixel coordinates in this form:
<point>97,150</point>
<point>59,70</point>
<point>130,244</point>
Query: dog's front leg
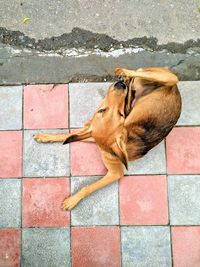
<point>50,137</point>
<point>115,172</point>
<point>82,134</point>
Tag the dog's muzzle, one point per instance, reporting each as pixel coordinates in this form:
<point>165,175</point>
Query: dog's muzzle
<point>120,85</point>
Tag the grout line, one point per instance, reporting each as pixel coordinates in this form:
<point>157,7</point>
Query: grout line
<point>91,226</point>
<point>11,130</point>
<point>181,82</point>
<point>187,126</point>
<point>120,237</point>
<point>118,188</point>
<point>63,82</point>
<point>68,91</point>
<point>168,202</point>
<point>69,160</point>
<point>176,126</point>
<point>121,252</point>
<point>120,245</point>
<point>22,166</point>
<point>127,225</point>
<point>70,229</point>
<point>47,129</point>
<point>103,225</point>
<point>171,246</point>
<point>99,176</point>
<point>75,128</point>
<point>167,181</point>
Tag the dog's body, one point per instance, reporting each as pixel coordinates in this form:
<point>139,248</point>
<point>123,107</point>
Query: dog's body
<point>135,116</point>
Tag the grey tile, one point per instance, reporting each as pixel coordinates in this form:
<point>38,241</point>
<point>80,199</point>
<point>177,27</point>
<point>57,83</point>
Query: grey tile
<point>184,199</point>
<point>100,208</point>
<point>190,93</point>
<point>46,247</point>
<point>84,100</point>
<point>50,159</point>
<point>146,246</point>
<point>11,107</point>
<point>10,203</point>
<point>152,163</point>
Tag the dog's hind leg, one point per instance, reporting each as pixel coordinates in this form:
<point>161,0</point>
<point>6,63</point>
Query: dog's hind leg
<point>154,74</point>
<point>115,172</point>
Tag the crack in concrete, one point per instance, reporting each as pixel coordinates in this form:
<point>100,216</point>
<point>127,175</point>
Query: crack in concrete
<point>83,56</point>
<point>80,38</point>
<point>179,63</point>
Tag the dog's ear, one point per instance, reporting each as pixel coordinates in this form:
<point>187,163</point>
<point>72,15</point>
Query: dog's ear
<point>119,149</point>
<point>84,134</point>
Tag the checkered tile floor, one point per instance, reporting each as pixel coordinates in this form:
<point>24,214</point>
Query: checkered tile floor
<point>147,219</point>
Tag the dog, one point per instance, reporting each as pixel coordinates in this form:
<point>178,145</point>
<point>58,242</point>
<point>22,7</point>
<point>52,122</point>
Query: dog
<point>136,114</point>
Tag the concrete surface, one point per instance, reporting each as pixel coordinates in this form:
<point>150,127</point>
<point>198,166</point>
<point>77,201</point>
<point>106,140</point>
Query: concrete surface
<point>190,114</point>
<point>155,162</point>
<point>163,225</point>
<point>45,247</point>
<point>120,19</point>
<point>11,101</point>
<point>151,246</point>
<point>184,199</point>
<point>103,206</point>
<point>10,194</point>
<point>82,40</point>
<point>44,159</point>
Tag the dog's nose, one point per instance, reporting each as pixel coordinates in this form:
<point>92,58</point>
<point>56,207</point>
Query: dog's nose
<point>120,85</point>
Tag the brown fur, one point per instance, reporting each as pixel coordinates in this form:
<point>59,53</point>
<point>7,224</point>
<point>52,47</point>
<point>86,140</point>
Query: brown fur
<point>123,132</point>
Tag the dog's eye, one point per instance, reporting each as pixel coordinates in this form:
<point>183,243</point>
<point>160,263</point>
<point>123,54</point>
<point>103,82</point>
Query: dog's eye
<point>101,110</point>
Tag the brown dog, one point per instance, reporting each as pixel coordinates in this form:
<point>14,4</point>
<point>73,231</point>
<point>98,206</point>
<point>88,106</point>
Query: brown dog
<point>134,116</point>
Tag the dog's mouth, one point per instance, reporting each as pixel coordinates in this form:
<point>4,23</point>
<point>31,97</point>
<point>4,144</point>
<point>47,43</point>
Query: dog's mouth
<point>129,99</point>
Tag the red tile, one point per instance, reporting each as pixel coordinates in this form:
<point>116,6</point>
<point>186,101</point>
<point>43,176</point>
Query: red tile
<point>86,159</point>
<point>45,107</point>
<point>9,247</point>
<point>97,246</point>
<point>10,154</point>
<point>42,199</point>
<point>183,146</point>
<point>186,246</point>
<point>143,200</point>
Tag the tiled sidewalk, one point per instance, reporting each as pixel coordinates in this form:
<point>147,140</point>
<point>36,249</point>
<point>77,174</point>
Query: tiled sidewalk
<point>147,219</point>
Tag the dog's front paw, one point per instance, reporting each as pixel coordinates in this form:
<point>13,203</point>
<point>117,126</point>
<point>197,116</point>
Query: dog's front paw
<point>41,138</point>
<point>70,202</point>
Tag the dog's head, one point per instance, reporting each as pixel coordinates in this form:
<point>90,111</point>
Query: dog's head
<point>109,118</point>
<point>107,124</point>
